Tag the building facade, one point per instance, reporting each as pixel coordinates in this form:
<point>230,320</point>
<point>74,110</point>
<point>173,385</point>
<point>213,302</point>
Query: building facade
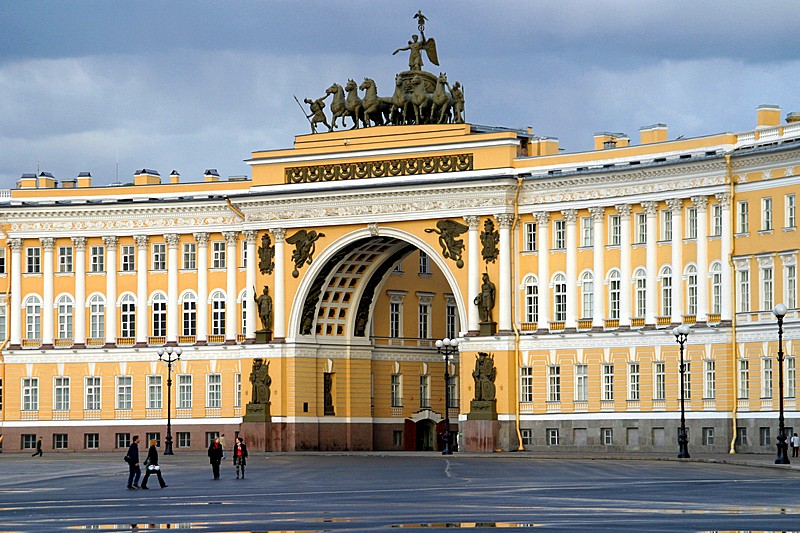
<point>374,243</point>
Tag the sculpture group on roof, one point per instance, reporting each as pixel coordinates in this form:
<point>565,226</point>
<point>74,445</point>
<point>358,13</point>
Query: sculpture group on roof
<point>419,97</point>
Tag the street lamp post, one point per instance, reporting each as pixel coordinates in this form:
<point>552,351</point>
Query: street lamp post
<point>782,458</point>
<point>166,355</point>
<point>681,335</point>
<point>447,348</point>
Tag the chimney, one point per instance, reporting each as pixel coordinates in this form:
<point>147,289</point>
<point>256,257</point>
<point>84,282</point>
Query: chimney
<point>210,175</point>
<point>174,177</point>
<point>146,177</point>
<point>84,180</point>
<point>768,116</point>
<point>27,181</point>
<point>47,181</point>
<point>654,133</point>
<point>604,140</point>
<point>793,118</point>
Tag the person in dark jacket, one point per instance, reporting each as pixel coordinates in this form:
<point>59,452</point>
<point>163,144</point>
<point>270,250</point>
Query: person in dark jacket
<point>215,456</point>
<point>239,456</point>
<point>151,466</point>
<point>38,448</point>
<point>134,472</point>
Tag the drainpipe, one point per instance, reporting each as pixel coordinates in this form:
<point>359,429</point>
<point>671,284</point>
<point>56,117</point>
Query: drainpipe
<point>234,208</point>
<point>517,353</point>
<point>734,347</point>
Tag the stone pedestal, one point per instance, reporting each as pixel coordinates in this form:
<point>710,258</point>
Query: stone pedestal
<point>488,328</point>
<point>257,412</point>
<point>263,336</point>
<point>256,428</point>
<point>481,435</point>
<point>482,410</point>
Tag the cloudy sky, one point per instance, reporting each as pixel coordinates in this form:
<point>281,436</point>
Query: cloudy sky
<point>96,85</point>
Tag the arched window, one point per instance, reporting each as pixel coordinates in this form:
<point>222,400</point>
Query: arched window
<point>716,288</point>
<point>33,318</point>
<point>587,295</point>
<point>189,315</point>
<point>127,311</point>
<point>64,307</point>
<point>97,317</point>
<point>691,290</point>
<point>218,313</point>
<point>666,291</point>
<point>613,294</point>
<point>531,300</point>
<point>640,282</point>
<point>159,314</point>
<point>559,298</point>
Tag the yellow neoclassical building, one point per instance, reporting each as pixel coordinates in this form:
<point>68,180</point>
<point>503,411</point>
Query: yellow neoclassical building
<point>569,270</point>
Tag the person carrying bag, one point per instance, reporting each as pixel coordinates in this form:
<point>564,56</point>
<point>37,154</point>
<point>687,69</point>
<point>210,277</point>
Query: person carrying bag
<point>152,467</point>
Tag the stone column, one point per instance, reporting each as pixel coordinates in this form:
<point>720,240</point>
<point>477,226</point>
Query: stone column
<point>625,265</point>
<point>651,263</point>
<point>701,204</point>
<point>202,287</point>
<point>676,208</point>
<point>231,240</point>
<point>48,243</point>
<point>15,323</point>
<point>248,303</point>
<point>724,200</point>
<point>142,322</point>
<point>598,266</point>
<point>279,302</point>
<point>543,222</point>
<point>111,291</point>
<point>473,272</point>
<point>79,337</point>
<point>173,264</point>
<point>571,216</point>
<point>505,221</point>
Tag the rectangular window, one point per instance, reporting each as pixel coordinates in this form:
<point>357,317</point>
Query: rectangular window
<point>581,383</point>
<point>666,225</point>
<point>97,257</point>
<point>527,436</point>
<point>708,436</point>
<point>424,392</point>
<point>184,439</point>
<point>766,214</point>
<point>159,256</point>
<point>559,234</point>
<point>741,436</point>
<point>28,441</point>
<point>554,384</point>
<point>65,259</point>
<point>791,210</point>
<point>744,379</point>
<point>608,382</point>
<point>530,236</point>
<point>424,320</point>
<point>587,232</point>
<point>3,269</point>
<point>710,380</point>
<point>61,394</point>
<point>526,384</point>
<point>691,223</point>
<point>124,392</point>
<point>744,290</point>
<point>608,436</point>
<point>127,257</point>
<point>60,441</point>
<point>92,394</point>
<point>742,217</point>
<point>189,256</point>
<point>789,286</point>
<point>218,254</point>
<point>122,440</point>
<point>659,381</point>
<point>30,394</point>
<point>687,381</point>
<point>394,320</point>
<point>614,230</point>
<point>767,289</point>
<point>237,389</point>
<point>184,391</point>
<point>154,392</point>
<point>633,382</point>
<point>552,436</point>
<point>214,391</point>
<point>397,391</point>
<point>244,256</point>
<point>154,436</point>
<point>716,220</point>
<point>451,320</point>
<point>764,437</point>
<point>210,437</point>
<point>766,377</point>
<point>91,441</point>
<point>33,260</point>
<point>641,228</point>
<point>791,378</point>
<point>424,264</point>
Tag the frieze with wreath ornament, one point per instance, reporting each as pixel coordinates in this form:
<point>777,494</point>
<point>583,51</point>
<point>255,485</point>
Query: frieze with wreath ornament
<point>380,169</point>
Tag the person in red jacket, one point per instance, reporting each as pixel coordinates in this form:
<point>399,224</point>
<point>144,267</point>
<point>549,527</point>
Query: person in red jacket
<point>239,456</point>
<point>215,456</point>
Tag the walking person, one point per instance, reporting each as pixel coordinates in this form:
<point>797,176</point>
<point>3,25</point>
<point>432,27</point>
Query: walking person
<point>134,472</point>
<point>222,443</point>
<point>38,448</point>
<point>795,445</point>
<point>215,456</point>
<point>239,456</point>
<point>151,466</point>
